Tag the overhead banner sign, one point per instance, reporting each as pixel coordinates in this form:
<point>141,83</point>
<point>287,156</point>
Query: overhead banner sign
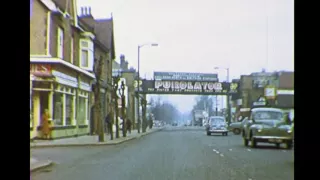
<point>171,76</point>
<point>188,87</point>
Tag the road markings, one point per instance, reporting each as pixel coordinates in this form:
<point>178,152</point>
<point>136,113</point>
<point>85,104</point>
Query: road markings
<point>230,149</point>
<point>221,155</point>
<point>284,151</point>
<point>249,179</point>
<point>248,149</point>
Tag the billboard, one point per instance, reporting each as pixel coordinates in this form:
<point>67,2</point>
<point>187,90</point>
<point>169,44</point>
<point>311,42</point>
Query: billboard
<point>185,76</point>
<point>262,79</point>
<point>188,87</point>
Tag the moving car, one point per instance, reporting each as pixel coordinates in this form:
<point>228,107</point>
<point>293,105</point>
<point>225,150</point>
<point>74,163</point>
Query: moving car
<point>268,125</point>
<point>217,124</point>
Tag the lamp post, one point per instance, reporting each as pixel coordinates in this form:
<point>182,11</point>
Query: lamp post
<point>228,95</point>
<point>139,47</point>
<point>123,109</point>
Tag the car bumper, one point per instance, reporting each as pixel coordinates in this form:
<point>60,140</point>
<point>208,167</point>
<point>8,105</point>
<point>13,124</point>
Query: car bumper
<point>272,139</point>
<point>218,130</point>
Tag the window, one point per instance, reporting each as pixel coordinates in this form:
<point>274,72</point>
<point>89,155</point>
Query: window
<point>58,108</point>
<point>86,54</point>
<point>71,51</point>
<point>69,109</point>
<point>60,42</point>
<point>82,111</point>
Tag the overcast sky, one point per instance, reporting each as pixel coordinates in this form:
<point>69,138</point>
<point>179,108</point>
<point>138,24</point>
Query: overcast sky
<point>196,36</point>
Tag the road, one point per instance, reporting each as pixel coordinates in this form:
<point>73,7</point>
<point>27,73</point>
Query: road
<point>171,154</point>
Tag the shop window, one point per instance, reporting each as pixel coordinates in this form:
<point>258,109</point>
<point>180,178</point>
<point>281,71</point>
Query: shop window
<point>82,111</point>
<point>58,108</point>
<point>69,109</point>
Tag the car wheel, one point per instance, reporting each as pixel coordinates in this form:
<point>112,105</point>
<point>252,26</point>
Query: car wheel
<point>278,145</point>
<point>226,134</point>
<point>236,131</point>
<point>253,142</point>
<point>289,145</point>
<point>208,134</point>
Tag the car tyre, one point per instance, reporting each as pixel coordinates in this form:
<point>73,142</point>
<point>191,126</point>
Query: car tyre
<point>236,131</point>
<point>208,133</point>
<point>253,142</point>
<point>226,134</point>
<point>278,145</point>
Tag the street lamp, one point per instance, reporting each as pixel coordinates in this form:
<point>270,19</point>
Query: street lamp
<point>139,47</point>
<point>228,96</point>
<point>227,69</point>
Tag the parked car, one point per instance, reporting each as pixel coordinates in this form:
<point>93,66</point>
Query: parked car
<point>217,124</point>
<point>268,125</point>
<point>236,127</point>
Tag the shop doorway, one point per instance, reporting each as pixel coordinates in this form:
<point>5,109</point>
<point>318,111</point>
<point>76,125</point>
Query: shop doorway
<point>44,102</point>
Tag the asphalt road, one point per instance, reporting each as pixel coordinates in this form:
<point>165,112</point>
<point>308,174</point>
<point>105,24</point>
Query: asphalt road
<point>171,154</point>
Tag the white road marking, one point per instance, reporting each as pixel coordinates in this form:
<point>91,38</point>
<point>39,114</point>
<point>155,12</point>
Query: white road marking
<point>248,149</point>
<point>230,149</point>
<point>217,152</point>
<point>284,151</point>
<point>249,179</point>
<point>214,150</point>
<point>221,155</point>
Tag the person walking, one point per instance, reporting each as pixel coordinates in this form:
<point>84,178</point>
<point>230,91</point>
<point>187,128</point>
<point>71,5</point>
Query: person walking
<point>108,124</point>
<point>46,126</point>
<point>129,123</point>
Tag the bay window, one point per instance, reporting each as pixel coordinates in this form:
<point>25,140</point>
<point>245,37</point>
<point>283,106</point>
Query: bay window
<point>58,108</point>
<point>86,54</point>
<point>69,109</point>
<point>82,111</point>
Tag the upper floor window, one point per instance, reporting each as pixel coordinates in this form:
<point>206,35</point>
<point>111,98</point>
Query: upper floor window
<point>71,50</point>
<point>60,42</point>
<point>86,54</point>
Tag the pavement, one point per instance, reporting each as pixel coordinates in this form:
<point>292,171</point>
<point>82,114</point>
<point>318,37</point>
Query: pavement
<point>89,140</point>
<point>38,164</point>
<point>171,154</point>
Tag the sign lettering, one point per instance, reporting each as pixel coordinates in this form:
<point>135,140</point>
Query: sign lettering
<point>187,87</point>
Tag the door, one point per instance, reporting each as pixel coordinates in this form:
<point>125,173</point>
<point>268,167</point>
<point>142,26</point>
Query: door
<point>44,102</point>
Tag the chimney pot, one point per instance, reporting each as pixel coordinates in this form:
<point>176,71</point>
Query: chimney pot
<point>82,11</point>
<point>85,10</point>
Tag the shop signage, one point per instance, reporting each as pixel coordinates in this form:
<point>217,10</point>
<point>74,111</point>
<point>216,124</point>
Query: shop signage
<point>270,92</point>
<point>185,76</point>
<point>188,87</point>
<point>65,79</point>
<point>41,69</point>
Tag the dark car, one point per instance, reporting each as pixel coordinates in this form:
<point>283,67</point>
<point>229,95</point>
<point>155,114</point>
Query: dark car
<point>267,125</point>
<point>217,124</point>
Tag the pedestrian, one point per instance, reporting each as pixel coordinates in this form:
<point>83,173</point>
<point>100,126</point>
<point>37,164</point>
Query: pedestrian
<point>108,123</point>
<point>46,125</point>
<point>129,123</point>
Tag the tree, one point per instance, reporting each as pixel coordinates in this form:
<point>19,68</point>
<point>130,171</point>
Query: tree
<point>98,120</point>
<point>164,111</point>
<point>204,103</point>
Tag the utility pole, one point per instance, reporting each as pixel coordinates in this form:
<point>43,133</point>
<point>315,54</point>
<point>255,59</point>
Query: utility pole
<point>144,118</point>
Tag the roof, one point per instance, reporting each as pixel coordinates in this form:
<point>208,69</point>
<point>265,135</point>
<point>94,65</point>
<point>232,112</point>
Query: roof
<point>266,109</point>
<point>103,29</point>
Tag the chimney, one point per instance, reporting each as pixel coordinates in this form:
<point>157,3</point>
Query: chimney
<point>122,61</point>
<point>82,11</point>
<point>126,65</point>
<point>85,11</point>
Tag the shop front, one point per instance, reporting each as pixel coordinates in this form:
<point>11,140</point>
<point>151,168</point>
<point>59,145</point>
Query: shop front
<point>64,95</point>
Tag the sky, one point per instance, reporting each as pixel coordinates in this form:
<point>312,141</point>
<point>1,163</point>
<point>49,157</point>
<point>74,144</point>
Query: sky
<point>196,36</point>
